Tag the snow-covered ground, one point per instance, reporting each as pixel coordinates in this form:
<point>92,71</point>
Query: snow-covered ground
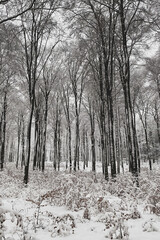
<point>79,206</point>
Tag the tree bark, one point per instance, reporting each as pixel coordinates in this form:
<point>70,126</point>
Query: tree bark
<point>3,138</point>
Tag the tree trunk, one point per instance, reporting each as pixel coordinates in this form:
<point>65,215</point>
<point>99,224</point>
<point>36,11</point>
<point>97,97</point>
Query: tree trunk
<point>29,129</point>
<point>55,147</point>
<point>70,147</point>
<point>3,138</point>
<point>92,126</point>
<point>157,120</point>
<point>84,147</point>
<point>19,138</point>
<point>59,144</point>
<point>125,79</point>
<point>45,134</point>
<point>87,151</point>
<point>148,148</point>
<point>77,139</point>
<point>117,139</point>
<point>36,130</point>
<point>23,143</point>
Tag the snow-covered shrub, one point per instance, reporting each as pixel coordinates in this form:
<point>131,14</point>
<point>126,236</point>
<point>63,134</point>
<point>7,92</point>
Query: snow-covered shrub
<point>86,214</point>
<point>132,213</point>
<point>10,183</point>
<point>62,225</point>
<point>153,201</point>
<point>149,226</point>
<point>102,204</point>
<point>123,186</point>
<point>116,227</point>
<point>10,223</point>
<point>76,191</point>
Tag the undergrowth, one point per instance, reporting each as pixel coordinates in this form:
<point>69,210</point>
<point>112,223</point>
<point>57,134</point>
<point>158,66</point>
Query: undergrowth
<point>113,203</point>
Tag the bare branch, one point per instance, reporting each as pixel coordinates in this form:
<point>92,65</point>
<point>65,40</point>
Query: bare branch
<point>18,14</point>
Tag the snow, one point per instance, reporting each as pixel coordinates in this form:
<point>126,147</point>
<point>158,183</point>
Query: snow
<point>53,206</point>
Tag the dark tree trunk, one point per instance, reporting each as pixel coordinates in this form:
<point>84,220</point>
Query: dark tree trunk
<point>19,138</point>
<point>117,139</point>
<point>148,148</point>
<point>11,152</point>
<point>23,143</point>
<point>87,151</point>
<point>157,120</point>
<point>77,137</point>
<point>56,135</point>
<point>55,147</point>
<point>70,147</point>
<point>124,63</point>
<point>66,105</point>
<point>92,126</point>
<point>3,137</point>
<point>66,149</point>
<point>59,144</point>
<point>36,130</point>
<point>45,134</point>
<point>84,147</point>
<point>136,140</point>
<point>29,128</point>
<point>145,127</point>
<point>39,148</point>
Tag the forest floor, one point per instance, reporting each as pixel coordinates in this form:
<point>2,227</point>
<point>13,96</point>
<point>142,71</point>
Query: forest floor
<point>79,206</point>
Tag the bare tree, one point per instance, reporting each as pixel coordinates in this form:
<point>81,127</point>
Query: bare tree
<point>77,70</point>
<point>36,27</point>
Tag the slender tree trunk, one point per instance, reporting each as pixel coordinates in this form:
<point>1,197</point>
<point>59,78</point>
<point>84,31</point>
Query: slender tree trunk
<point>19,138</point>
<point>45,134</point>
<point>92,125</point>
<point>77,140</point>
<point>23,143</point>
<point>136,140</point>
<point>36,138</point>
<point>121,150</point>
<point>70,147</point>
<point>11,152</point>
<point>145,127</point>
<point>66,148</point>
<point>84,147</point>
<point>117,140</point>
<point>93,151</point>
<point>1,125</point>
<point>148,148</point>
<point>3,139</point>
<point>157,120</point>
<point>29,129</point>
<point>59,144</point>
<point>39,147</point>
<point>87,151</point>
<point>55,147</point>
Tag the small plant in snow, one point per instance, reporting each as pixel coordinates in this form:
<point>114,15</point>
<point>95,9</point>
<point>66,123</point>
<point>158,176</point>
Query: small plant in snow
<point>37,214</point>
<point>2,227</point>
<point>10,218</point>
<point>132,213</point>
<point>118,230</point>
<point>62,225</point>
<point>86,214</point>
<point>116,227</point>
<point>103,204</point>
<point>153,201</point>
<point>149,226</point>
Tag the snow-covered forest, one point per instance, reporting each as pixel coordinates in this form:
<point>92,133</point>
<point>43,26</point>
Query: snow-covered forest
<point>79,119</point>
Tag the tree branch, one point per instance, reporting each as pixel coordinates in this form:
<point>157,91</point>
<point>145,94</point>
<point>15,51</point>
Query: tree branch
<point>16,15</point>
